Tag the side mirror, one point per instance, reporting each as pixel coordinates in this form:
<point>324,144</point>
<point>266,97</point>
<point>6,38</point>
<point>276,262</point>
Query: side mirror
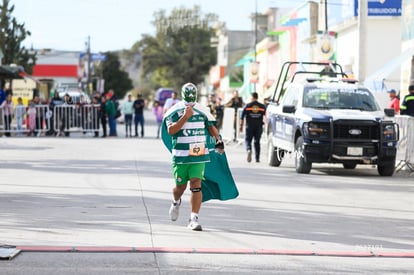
<point>389,112</point>
<point>290,109</point>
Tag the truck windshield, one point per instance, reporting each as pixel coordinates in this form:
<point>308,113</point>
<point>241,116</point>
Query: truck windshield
<point>339,98</point>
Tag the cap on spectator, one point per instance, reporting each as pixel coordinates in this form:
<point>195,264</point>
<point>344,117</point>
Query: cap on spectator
<point>411,88</point>
<point>392,91</point>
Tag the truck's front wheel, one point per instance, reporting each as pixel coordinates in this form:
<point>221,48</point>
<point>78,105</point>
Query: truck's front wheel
<point>302,165</point>
<point>386,170</point>
<point>274,155</point>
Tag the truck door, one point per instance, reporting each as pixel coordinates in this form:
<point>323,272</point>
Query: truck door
<point>287,117</point>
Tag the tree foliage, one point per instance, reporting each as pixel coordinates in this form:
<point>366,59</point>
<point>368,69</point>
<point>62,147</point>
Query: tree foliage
<point>115,78</point>
<point>12,34</point>
<point>181,50</point>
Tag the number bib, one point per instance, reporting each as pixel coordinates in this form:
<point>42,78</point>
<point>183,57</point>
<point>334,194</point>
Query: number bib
<point>197,149</point>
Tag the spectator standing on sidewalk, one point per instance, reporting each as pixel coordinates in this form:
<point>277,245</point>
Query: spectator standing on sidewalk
<point>212,104</point>
<point>407,105</point>
<point>219,113</point>
<point>66,116</point>
<point>82,114</point>
<point>254,112</point>
<point>95,115</point>
<point>20,112</point>
<point>394,101</point>
<point>158,111</point>
<point>40,114</point>
<point>139,105</point>
<point>7,107</point>
<point>2,95</point>
<point>110,110</point>
<point>128,110</point>
<point>31,118</point>
<point>171,101</point>
<point>54,119</point>
<point>216,109</point>
<point>235,102</point>
<point>103,115</point>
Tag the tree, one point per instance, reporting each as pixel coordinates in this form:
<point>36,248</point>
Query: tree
<point>114,77</point>
<point>181,50</point>
<point>12,34</point>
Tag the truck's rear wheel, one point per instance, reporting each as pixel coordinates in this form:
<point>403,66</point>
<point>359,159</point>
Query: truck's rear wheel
<point>302,165</point>
<point>274,155</point>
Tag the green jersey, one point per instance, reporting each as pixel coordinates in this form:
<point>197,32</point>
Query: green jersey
<point>189,145</point>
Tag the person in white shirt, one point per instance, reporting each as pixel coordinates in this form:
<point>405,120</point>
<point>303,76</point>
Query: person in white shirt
<point>128,110</point>
<point>20,112</point>
<point>171,101</point>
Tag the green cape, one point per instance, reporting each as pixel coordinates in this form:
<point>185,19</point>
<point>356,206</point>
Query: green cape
<point>218,182</point>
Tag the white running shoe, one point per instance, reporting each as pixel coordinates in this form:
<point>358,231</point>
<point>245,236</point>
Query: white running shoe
<point>194,225</point>
<point>174,210</point>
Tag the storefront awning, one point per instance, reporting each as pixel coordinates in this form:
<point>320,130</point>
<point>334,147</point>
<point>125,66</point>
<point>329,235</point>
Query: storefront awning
<point>278,31</point>
<point>11,72</point>
<point>247,58</point>
<point>293,22</point>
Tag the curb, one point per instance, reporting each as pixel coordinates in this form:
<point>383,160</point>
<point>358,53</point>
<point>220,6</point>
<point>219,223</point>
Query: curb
<point>113,249</point>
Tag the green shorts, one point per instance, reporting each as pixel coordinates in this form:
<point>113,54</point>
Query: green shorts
<point>184,172</point>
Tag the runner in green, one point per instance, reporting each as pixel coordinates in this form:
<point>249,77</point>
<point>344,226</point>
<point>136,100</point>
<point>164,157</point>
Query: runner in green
<point>189,129</point>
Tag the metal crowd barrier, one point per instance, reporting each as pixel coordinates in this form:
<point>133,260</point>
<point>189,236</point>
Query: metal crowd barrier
<point>227,129</point>
<point>26,121</point>
<point>230,127</point>
<point>76,118</point>
<point>39,120</point>
<point>405,149</point>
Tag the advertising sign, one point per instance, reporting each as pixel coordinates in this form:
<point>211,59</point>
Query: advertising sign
<point>382,7</point>
<point>326,45</point>
<point>23,88</point>
<point>346,9</point>
<point>94,56</point>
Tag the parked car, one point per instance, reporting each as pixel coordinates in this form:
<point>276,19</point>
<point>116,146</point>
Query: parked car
<point>75,95</point>
<point>328,119</point>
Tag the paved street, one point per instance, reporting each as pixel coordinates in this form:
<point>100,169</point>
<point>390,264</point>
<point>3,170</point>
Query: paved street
<point>84,205</point>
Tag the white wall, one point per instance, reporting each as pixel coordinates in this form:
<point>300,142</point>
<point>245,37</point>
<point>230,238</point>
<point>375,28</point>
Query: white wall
<point>383,43</point>
<point>57,58</point>
<point>347,50</point>
<point>406,70</point>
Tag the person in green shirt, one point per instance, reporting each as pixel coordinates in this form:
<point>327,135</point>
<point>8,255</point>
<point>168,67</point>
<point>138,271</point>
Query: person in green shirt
<point>111,113</point>
<point>190,125</point>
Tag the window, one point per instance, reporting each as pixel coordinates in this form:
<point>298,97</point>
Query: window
<point>291,96</point>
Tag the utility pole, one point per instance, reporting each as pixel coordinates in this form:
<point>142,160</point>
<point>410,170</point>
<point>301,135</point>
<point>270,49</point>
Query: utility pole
<point>326,16</point>
<point>88,54</point>
<point>362,26</point>
<point>255,45</point>
<point>255,32</point>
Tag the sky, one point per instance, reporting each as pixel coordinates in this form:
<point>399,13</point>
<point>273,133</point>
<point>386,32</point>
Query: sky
<point>117,24</point>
